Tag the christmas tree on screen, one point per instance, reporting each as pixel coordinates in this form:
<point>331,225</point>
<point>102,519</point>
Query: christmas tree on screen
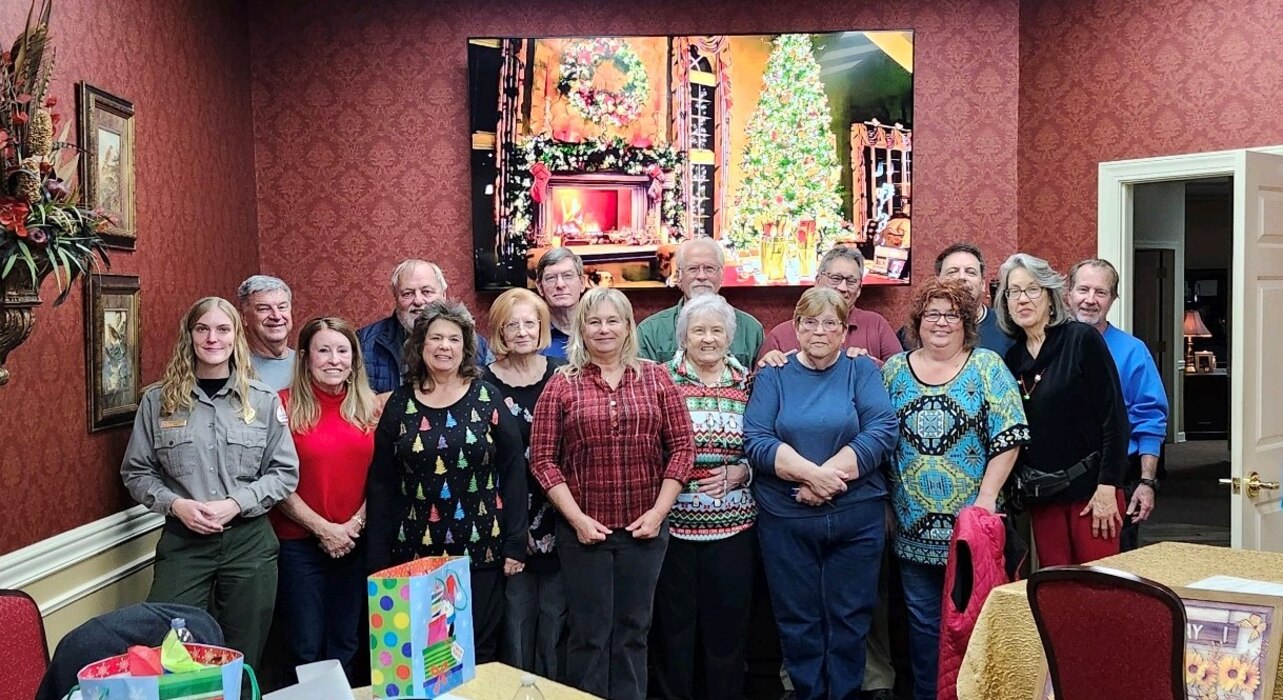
<point>790,164</point>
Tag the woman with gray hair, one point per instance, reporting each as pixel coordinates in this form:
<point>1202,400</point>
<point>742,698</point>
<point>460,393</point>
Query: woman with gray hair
<point>705,588</point>
<point>1071,474</point>
<point>448,476</point>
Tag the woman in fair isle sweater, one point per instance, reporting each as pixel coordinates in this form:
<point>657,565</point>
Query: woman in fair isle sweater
<point>705,587</point>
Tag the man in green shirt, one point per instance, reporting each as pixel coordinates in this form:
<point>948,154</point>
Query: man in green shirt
<point>698,268</point>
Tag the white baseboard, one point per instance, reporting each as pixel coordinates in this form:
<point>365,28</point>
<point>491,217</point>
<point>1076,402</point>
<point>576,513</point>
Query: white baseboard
<point>48,557</point>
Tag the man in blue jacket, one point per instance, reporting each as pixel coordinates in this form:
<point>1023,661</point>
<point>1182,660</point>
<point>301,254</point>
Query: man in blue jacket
<point>415,284</point>
<point>1093,288</point>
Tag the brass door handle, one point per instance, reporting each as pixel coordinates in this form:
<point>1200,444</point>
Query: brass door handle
<point>1253,483</point>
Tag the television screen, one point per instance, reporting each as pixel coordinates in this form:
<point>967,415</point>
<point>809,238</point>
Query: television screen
<point>777,146</point>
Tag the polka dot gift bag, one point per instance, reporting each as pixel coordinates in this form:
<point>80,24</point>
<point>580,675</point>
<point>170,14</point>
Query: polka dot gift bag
<point>421,628</point>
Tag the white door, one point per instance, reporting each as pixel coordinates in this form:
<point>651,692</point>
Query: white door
<point>1256,351</point>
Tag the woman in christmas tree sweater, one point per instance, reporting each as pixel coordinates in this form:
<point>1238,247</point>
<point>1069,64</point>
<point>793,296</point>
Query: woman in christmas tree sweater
<point>448,474</point>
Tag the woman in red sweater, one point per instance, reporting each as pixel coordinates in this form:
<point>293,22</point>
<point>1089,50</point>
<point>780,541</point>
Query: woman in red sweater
<point>331,410</point>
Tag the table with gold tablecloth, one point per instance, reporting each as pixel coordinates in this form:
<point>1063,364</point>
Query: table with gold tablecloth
<point>1004,660</point>
<point>499,682</point>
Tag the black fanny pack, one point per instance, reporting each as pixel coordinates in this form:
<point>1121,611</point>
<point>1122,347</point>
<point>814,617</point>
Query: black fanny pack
<point>1038,486</point>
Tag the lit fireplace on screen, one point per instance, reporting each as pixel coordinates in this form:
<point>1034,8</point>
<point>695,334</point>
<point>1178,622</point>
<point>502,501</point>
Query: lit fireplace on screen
<point>587,210</point>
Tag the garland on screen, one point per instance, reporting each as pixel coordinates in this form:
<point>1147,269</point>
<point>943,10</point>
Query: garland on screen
<point>790,162</point>
<point>579,64</point>
<point>536,158</point>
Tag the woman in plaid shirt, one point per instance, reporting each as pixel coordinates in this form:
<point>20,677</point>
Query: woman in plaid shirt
<point>612,445</point>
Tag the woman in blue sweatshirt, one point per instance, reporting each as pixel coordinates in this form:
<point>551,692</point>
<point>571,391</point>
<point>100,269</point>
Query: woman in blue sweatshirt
<point>816,431</point>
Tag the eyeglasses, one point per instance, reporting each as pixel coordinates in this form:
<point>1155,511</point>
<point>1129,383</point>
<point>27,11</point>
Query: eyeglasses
<point>1030,293</point>
<point>564,278</point>
<point>708,270</point>
<point>514,326</point>
<point>829,324</point>
<point>851,281</point>
<point>949,317</point>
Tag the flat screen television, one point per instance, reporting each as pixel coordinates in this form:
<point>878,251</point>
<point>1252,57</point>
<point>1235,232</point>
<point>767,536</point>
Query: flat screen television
<point>777,146</point>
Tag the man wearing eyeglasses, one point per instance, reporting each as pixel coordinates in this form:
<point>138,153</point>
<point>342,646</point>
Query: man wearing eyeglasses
<point>867,332</point>
<point>698,266</point>
<point>415,284</point>
<point>560,279</point>
<point>1093,289</point>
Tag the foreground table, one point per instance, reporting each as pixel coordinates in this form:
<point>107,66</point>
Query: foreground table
<point>498,682</point>
<point>1005,659</point>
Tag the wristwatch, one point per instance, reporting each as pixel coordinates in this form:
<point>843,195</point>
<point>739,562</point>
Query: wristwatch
<point>1152,483</point>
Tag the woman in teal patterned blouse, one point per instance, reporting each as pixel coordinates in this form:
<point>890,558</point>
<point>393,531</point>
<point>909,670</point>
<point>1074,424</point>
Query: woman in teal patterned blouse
<point>961,427</point>
<point>706,585</point>
<point>448,476</point>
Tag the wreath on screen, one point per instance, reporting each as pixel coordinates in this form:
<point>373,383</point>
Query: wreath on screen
<point>579,63</point>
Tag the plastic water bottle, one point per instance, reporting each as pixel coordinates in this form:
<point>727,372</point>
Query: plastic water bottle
<point>528,689</point>
<point>179,627</point>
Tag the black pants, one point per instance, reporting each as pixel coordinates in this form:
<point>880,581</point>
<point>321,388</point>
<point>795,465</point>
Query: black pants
<point>487,612</point>
<point>610,592</point>
<point>702,607</point>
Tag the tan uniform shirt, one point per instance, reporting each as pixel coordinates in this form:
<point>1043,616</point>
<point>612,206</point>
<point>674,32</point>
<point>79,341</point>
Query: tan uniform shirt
<point>209,452</point>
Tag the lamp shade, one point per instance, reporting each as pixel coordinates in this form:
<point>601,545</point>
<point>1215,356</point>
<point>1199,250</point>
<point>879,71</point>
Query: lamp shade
<point>1194,326</point>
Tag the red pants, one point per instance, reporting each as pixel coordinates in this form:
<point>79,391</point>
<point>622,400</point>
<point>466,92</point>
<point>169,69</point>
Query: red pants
<point>1062,536</point>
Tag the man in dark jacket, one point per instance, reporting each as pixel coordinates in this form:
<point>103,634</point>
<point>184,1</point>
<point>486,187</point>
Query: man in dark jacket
<point>415,284</point>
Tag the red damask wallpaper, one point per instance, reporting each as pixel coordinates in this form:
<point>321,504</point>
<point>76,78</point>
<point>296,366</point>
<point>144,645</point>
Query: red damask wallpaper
<point>1102,80</point>
<point>362,143</point>
<point>186,66</point>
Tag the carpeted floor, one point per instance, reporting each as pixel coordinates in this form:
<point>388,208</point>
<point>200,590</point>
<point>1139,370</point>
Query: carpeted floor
<point>1192,506</point>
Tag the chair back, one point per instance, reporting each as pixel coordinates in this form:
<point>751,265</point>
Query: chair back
<point>22,646</point>
<point>1109,634</point>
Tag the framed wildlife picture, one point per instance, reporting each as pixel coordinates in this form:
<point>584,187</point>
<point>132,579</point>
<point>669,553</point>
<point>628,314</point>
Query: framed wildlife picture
<point>106,133</point>
<point>113,350</point>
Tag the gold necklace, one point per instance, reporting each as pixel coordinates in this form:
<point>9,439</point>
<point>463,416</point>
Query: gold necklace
<point>1030,390</point>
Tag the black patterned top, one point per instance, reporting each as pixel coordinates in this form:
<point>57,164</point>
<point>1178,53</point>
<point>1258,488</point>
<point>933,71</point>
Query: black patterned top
<point>521,401</point>
<point>447,481</point>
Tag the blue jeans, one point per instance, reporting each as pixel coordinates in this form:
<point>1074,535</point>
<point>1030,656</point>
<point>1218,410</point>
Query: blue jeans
<point>822,570</point>
<point>321,600</point>
<point>923,596</point>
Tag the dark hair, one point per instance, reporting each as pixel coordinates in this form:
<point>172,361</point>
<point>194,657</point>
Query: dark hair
<point>957,294</point>
<point>960,248</point>
<point>412,354</point>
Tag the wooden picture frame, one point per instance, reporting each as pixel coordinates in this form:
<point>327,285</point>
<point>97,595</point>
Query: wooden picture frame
<point>1239,632</point>
<point>105,129</point>
<point>113,350</point>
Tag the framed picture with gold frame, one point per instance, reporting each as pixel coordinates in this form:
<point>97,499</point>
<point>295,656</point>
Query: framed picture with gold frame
<point>106,133</point>
<point>113,350</point>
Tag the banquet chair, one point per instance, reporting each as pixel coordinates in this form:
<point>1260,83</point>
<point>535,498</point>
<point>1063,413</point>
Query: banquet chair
<point>23,647</point>
<point>1109,634</point>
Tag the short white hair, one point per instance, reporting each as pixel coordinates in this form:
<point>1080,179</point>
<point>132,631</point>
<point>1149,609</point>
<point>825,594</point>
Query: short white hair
<point>261,283</point>
<point>705,304</point>
<point>412,263</point>
<point>703,241</point>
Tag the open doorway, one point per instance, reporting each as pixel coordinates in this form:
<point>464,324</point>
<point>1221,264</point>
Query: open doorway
<point>1180,307</point>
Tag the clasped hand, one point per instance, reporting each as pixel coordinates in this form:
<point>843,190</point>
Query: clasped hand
<point>205,518</point>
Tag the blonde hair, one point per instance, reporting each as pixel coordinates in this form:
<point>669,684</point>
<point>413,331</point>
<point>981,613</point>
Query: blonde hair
<point>816,301</point>
<point>577,357</point>
<point>179,380</point>
<point>501,312</point>
<point>358,402</point>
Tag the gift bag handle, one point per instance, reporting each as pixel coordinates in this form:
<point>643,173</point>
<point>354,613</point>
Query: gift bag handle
<point>255,694</point>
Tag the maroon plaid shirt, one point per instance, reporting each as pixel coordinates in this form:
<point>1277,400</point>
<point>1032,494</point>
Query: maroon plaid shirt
<point>608,445</point>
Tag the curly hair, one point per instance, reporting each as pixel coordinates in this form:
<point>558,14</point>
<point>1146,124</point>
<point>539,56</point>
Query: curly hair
<point>417,374</point>
<point>179,379</point>
<point>959,296</point>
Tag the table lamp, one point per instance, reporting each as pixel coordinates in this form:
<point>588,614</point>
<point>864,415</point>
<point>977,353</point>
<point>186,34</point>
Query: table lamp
<point>1193,328</point>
